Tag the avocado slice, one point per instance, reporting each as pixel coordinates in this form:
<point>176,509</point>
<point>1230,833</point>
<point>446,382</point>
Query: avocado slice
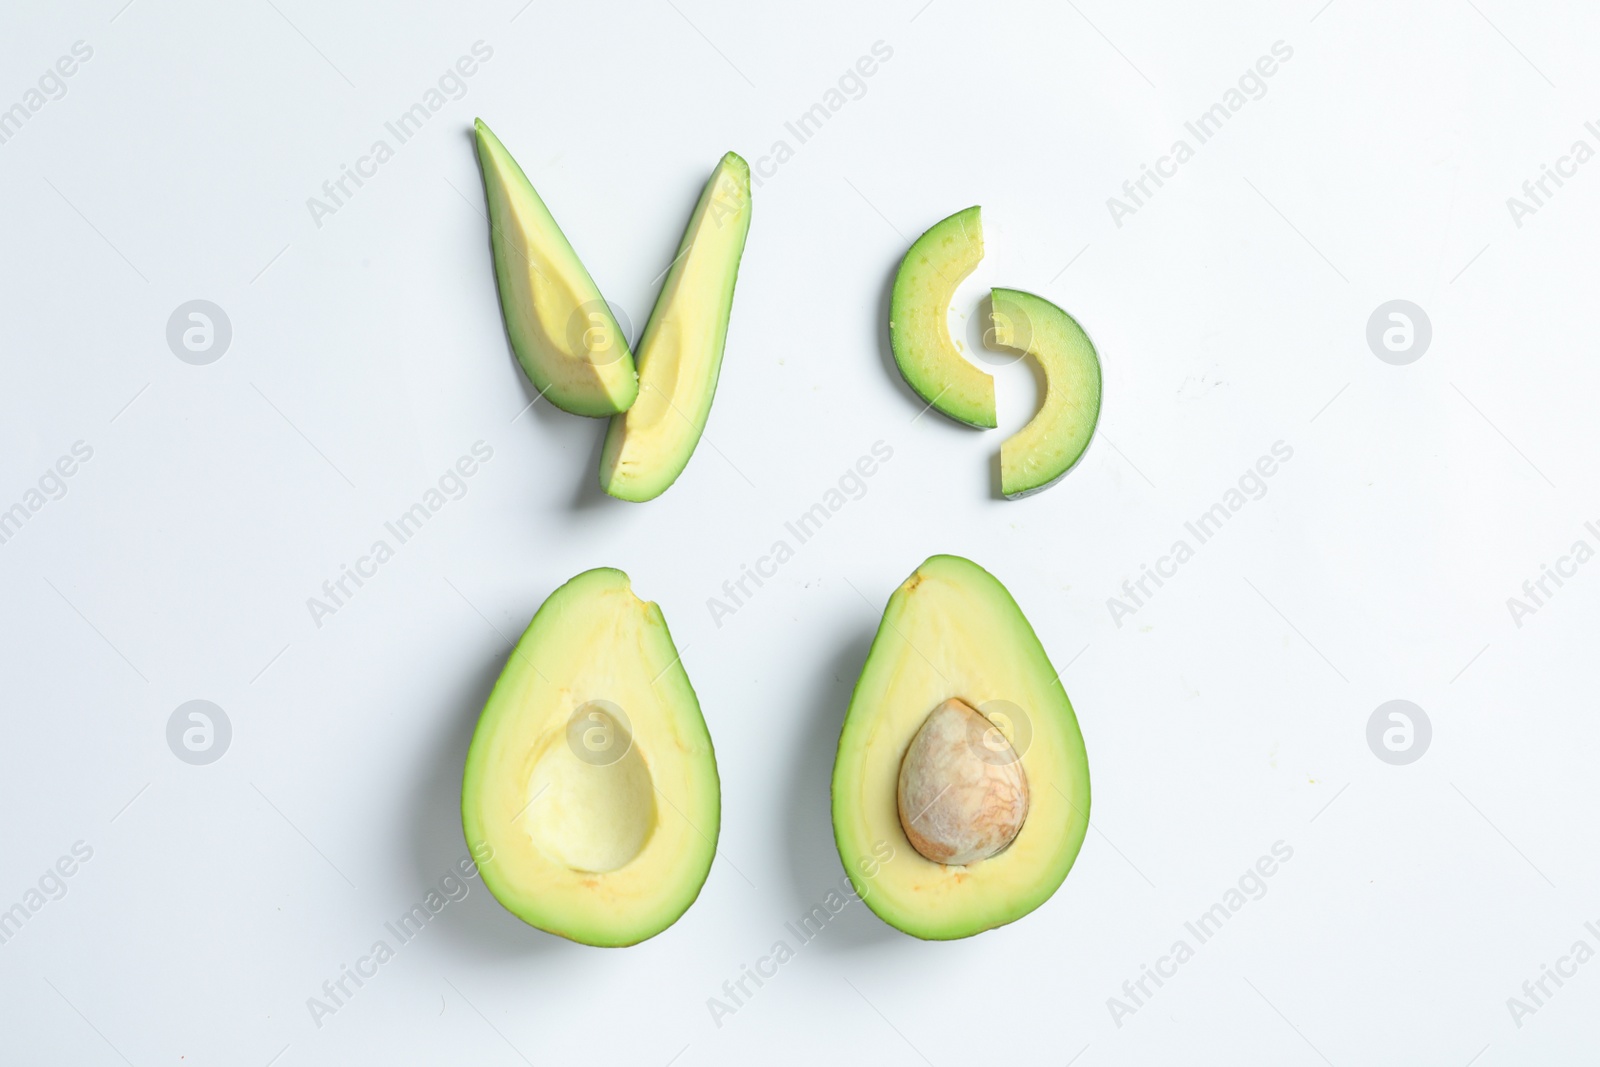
<point>961,785</point>
<point>591,785</point>
<point>919,330</point>
<point>562,330</point>
<point>680,352</point>
<point>1039,454</point>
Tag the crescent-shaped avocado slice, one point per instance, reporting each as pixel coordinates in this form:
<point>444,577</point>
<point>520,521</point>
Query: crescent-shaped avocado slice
<point>919,329</point>
<point>680,352</point>
<point>958,705</point>
<point>563,332</point>
<point>590,796</point>
<point>1039,454</point>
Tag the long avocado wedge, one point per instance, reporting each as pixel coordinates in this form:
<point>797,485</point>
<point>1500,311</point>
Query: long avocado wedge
<point>680,352</point>
<point>563,332</point>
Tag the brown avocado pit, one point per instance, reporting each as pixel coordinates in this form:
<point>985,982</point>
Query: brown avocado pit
<point>962,795</point>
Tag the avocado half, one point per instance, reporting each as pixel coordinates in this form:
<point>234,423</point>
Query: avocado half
<point>952,635</point>
<point>562,330</point>
<point>591,784</point>
<point>680,351</point>
<point>919,329</point>
<point>1044,450</point>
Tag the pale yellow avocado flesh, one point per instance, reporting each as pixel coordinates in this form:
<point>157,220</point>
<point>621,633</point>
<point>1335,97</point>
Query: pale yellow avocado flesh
<point>591,785</point>
<point>953,631</point>
<point>680,352</point>
<point>563,332</point>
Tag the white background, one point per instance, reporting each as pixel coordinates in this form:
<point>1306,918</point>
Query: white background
<point>368,354</point>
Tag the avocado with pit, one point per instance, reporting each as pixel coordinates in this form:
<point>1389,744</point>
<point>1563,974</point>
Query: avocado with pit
<point>562,330</point>
<point>961,784</point>
<point>1043,451</point>
<point>590,784</point>
<point>919,330</point>
<point>680,351</point>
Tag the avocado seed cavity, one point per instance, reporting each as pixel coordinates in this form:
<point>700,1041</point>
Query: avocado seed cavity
<point>591,802</point>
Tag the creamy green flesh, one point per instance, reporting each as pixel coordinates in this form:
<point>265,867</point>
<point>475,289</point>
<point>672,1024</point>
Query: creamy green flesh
<point>591,783</point>
<point>680,352</point>
<point>919,329</point>
<point>1037,455</point>
<point>564,335</point>
<point>952,631</point>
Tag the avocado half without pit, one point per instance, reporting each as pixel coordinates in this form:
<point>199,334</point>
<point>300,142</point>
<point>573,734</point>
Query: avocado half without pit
<point>591,785</point>
<point>931,361</point>
<point>960,759</point>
